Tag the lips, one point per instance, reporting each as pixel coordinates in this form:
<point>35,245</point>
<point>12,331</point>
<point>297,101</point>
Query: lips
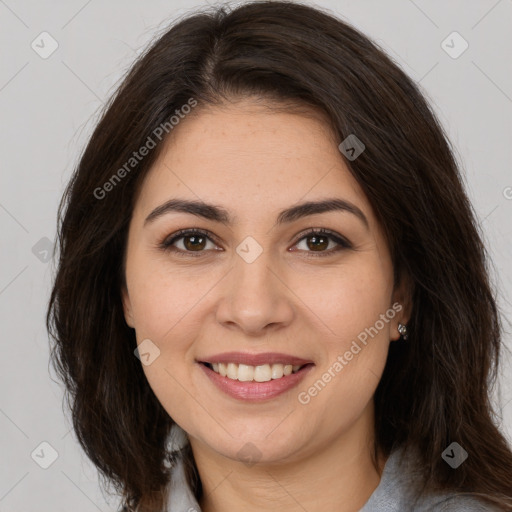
<point>255,387</point>
<point>255,359</point>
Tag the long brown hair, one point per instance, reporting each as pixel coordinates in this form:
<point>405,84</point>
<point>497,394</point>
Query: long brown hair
<point>435,388</point>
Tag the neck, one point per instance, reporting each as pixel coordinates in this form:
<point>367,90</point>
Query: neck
<point>339,475</point>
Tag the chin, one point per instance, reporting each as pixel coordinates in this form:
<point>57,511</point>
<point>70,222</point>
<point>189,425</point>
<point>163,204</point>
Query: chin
<point>255,447</point>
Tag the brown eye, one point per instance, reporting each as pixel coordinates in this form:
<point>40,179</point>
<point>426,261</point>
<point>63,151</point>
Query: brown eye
<point>194,242</point>
<point>191,241</point>
<point>317,242</point>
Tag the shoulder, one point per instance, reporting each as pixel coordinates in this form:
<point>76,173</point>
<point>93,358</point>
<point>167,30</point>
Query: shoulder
<point>402,488</point>
<point>459,503</point>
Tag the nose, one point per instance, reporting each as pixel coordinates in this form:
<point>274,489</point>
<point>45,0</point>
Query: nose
<point>255,298</point>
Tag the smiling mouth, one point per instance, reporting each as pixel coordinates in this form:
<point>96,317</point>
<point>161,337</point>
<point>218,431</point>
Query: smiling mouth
<point>260,373</point>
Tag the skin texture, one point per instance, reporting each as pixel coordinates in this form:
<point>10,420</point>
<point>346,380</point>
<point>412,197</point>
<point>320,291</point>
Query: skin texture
<point>255,162</point>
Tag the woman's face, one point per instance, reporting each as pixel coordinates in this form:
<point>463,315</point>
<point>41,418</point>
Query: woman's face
<point>259,285</point>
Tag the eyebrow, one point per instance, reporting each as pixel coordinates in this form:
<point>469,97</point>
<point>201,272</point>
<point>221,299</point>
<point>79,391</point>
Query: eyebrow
<point>218,214</point>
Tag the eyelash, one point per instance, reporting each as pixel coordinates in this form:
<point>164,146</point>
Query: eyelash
<point>167,244</point>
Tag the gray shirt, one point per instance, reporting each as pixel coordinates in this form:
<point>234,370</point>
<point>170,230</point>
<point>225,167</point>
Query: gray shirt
<point>400,486</point>
<point>398,491</point>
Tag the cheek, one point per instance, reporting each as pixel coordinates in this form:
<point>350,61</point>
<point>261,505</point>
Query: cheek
<point>161,312</point>
<point>350,302</point>
<point>170,384</point>
<point>160,299</point>
<point>351,369</point>
<point>356,314</point>
<point>163,307</point>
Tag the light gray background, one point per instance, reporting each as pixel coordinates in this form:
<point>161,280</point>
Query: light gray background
<point>48,109</point>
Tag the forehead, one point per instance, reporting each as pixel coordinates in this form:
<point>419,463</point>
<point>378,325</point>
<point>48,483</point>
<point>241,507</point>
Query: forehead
<point>250,158</point>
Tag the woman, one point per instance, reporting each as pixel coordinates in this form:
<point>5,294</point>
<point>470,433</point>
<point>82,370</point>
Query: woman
<point>272,291</point>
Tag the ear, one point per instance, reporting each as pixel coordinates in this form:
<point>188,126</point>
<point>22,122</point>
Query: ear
<point>401,304</point>
<point>127,307</point>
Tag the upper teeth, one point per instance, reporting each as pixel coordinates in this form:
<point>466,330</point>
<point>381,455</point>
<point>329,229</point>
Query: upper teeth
<point>262,373</point>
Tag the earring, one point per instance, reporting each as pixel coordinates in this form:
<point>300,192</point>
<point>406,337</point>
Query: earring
<point>402,329</point>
